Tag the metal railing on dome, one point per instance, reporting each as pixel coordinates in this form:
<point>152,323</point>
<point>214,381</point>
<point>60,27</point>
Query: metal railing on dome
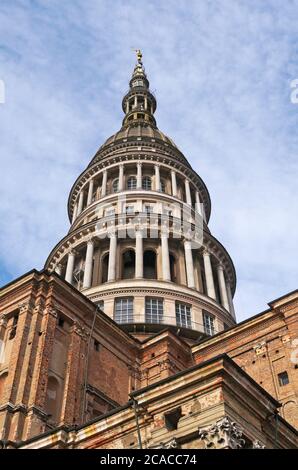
<point>167,320</point>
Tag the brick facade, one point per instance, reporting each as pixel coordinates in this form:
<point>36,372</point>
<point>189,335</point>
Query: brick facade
<point>52,334</point>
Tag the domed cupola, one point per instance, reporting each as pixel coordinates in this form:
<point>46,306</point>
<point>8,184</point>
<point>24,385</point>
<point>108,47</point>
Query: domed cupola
<point>139,245</point>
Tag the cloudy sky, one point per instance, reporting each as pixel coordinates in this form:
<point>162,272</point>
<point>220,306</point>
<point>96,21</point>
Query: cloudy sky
<point>221,71</point>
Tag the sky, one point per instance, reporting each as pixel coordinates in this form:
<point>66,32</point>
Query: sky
<point>222,73</point>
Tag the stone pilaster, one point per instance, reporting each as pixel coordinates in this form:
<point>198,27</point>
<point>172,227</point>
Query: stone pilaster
<point>38,391</point>
<point>73,391</point>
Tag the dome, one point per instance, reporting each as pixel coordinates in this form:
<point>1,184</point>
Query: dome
<point>139,245</point>
<point>144,131</point>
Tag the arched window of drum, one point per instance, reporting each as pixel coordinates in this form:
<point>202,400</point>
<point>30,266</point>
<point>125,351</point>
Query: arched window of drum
<point>115,185</point>
<point>132,182</point>
<point>146,183</point>
<point>163,185</point>
<point>149,260</point>
<point>128,264</point>
<point>53,399</point>
<point>104,268</point>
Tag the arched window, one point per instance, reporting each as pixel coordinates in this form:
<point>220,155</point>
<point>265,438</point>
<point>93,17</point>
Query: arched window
<point>104,268</point>
<point>132,182</point>
<point>146,183</point>
<point>115,185</point>
<point>149,259</point>
<point>128,264</point>
<point>163,186</point>
<point>53,400</point>
<point>173,269</point>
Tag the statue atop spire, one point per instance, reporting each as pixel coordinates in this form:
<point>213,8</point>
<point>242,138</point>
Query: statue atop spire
<point>139,55</point>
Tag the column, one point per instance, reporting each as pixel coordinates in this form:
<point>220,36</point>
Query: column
<point>74,214</point>
<point>112,257</point>
<point>187,192</point>
<point>189,264</point>
<point>165,257</point>
<point>80,204</point>
<point>139,254</point>
<point>139,175</point>
<point>230,298</point>
<point>204,214</point>
<point>70,266</point>
<point>104,183</point>
<point>157,178</point>
<point>121,177</point>
<point>222,287</point>
<point>198,203</point>
<point>209,275</point>
<point>145,102</point>
<point>174,183</point>
<point>88,265</point>
<point>90,192</point>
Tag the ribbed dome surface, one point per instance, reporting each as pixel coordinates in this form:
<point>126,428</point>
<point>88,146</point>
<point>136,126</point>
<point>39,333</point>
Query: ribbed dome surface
<point>140,130</point>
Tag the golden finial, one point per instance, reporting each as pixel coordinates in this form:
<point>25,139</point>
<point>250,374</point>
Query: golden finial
<point>139,55</point>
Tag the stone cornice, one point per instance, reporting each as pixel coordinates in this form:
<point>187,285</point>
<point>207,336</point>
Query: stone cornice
<point>191,297</point>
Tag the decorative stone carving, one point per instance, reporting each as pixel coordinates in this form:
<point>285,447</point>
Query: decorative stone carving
<point>224,434</point>
<point>172,444</point>
<point>258,445</point>
<point>52,311</point>
<point>26,306</point>
<point>260,348</point>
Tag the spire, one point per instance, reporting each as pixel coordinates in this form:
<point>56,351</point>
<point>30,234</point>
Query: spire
<point>139,104</point>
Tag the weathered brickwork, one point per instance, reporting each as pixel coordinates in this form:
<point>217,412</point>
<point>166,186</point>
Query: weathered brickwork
<point>64,363</point>
<point>43,379</point>
<point>264,346</point>
<point>211,405</point>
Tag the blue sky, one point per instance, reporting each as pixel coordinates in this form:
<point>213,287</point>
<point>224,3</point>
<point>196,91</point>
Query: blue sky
<point>221,72</point>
